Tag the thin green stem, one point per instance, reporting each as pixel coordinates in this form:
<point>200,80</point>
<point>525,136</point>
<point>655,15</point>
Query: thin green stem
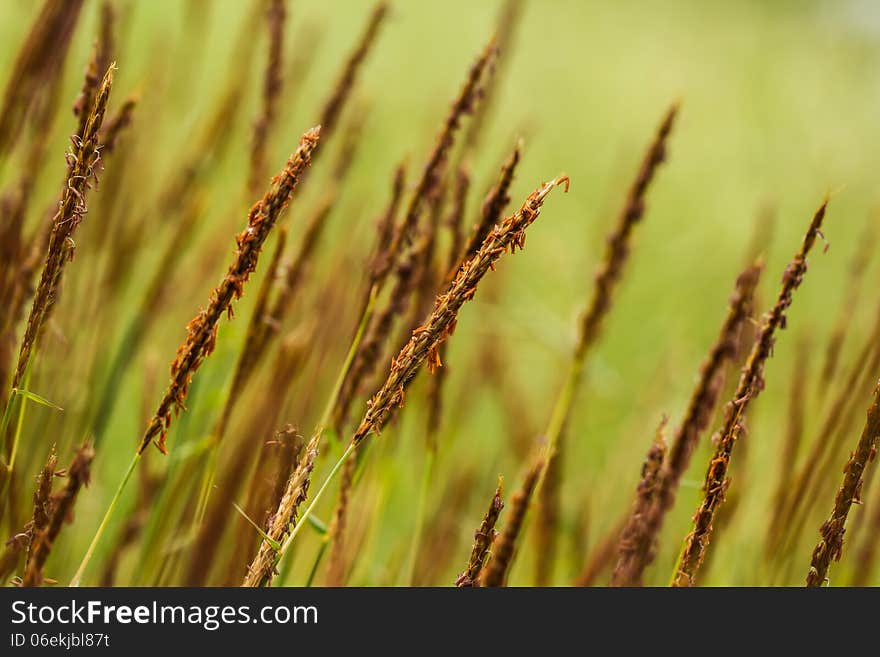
<point>349,359</point>
<point>77,578</point>
<point>311,507</point>
<point>562,407</point>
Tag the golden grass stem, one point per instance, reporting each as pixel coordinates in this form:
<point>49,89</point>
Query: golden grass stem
<point>830,546</point>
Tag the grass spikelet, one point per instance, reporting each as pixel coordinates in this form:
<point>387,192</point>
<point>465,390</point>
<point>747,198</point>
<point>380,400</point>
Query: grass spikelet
<point>750,385</point>
<point>406,278</point>
<point>24,540</point>
<point>39,61</point>
<point>100,61</point>
<point>643,533</point>
<point>633,548</point>
<point>507,22</point>
<point>262,569</point>
<point>83,163</point>
<point>454,225</point>
<point>617,247</point>
<point>42,502</point>
<point>432,173</point>
<point>345,83</point>
<point>383,258</point>
<point>495,572</point>
<point>484,537</point>
<point>439,325</point>
<point>830,546</point>
<point>491,210</point>
<point>276,15</point>
<point>508,236</point>
<point>202,330</point>
<point>62,511</point>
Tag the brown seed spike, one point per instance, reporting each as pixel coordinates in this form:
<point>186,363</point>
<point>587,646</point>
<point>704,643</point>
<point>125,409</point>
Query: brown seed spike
<point>431,174</point>
<point>438,325</point>
<point>750,385</point>
<point>830,546</point>
<point>627,572</point>
<point>496,571</point>
<point>202,330</point>
<point>62,509</point>
<point>491,210</point>
<point>483,539</point>
<point>83,165</point>
<point>617,250</point>
<point>272,87</point>
<point>262,569</point>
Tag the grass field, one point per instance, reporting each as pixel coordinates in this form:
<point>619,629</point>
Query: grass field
<point>778,106</point>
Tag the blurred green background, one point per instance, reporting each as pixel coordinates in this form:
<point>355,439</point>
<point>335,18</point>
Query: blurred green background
<point>779,107</point>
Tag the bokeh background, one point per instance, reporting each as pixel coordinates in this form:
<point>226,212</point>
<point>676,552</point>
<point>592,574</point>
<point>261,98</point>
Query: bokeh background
<point>779,108</point>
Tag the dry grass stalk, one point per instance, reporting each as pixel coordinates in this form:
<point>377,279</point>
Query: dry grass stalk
<point>24,540</point>
<point>260,423</point>
<point>750,385</point>
<point>492,209</point>
<point>830,546</point>
<point>496,570</point>
<point>633,548</point>
<point>62,511</point>
<point>345,83</point>
<point>262,568</point>
<point>242,369</point>
<point>264,494</point>
<point>40,60</point>
<point>276,15</point>
<point>42,502</point>
<point>281,453</point>
<point>82,170</point>
<point>508,20</point>
<point>268,317</point>
<point>102,55</point>
<point>704,398</point>
<point>484,537</point>
<point>202,330</point>
<point>439,325</point>
<point>382,258</point>
<point>422,347</point>
<point>406,278</point>
<point>454,224</point>
<point>617,246</point>
<point>433,171</point>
